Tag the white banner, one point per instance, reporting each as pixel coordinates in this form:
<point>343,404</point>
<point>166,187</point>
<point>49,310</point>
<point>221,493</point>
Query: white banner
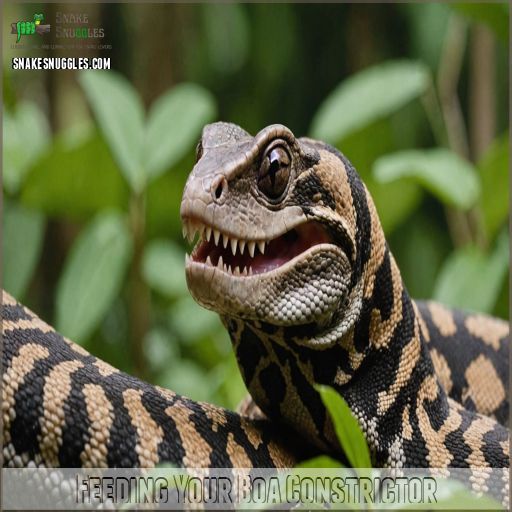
<point>253,489</point>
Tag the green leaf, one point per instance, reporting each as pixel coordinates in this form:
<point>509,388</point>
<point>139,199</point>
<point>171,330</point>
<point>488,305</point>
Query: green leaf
<point>427,28</point>
<point>120,115</point>
<point>174,123</point>
<point>321,461</point>
<point>163,268</point>
<point>494,14</point>
<point>493,169</point>
<point>367,96</point>
<point>76,179</point>
<point>451,179</point>
<point>23,231</point>
<point>26,135</point>
<point>348,431</point>
<point>471,279</point>
<point>92,275</point>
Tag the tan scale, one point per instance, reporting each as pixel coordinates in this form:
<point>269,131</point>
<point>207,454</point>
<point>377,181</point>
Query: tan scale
<point>149,433</point>
<point>408,359</point>
<point>197,449</point>
<point>381,331</point>
<point>14,376</point>
<point>443,319</point>
<point>484,386</point>
<point>101,415</point>
<point>55,395</point>
<point>442,370</point>
<point>489,330</point>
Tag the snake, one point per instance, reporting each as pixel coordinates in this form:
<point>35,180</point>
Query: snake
<point>290,252</point>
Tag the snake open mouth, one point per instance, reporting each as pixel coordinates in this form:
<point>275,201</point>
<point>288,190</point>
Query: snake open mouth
<point>242,257</point>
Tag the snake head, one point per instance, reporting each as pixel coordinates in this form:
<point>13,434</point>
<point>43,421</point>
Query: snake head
<point>276,241</point>
<point>38,18</point>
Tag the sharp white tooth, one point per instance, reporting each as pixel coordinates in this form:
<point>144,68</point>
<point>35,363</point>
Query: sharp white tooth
<point>244,272</point>
<point>242,246</point>
<point>229,269</point>
<point>220,263</point>
<point>234,243</point>
<point>236,271</point>
<point>216,236</point>
<point>208,260</point>
<point>187,258</point>
<point>192,231</point>
<point>201,231</point>
<point>251,246</point>
<point>261,246</point>
<point>208,234</point>
<point>225,268</point>
<point>250,271</point>
<point>225,240</point>
<point>184,231</point>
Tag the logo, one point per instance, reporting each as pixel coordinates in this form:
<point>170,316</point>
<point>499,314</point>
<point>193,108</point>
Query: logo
<point>27,28</point>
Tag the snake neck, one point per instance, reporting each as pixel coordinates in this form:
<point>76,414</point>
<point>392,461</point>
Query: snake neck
<point>379,364</point>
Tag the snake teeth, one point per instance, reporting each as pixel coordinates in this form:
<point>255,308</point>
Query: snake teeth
<point>194,230</point>
<point>234,244</point>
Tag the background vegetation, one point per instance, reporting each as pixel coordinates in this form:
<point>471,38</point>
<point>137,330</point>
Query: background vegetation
<point>416,95</point>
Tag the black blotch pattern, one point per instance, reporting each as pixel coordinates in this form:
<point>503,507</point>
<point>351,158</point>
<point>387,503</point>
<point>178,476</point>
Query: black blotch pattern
<point>309,186</point>
<point>26,428</point>
<point>249,352</point>
<point>274,385</point>
<point>75,432</point>
<point>171,448</point>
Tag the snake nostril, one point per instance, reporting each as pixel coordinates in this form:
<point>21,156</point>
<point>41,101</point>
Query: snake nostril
<point>219,189</point>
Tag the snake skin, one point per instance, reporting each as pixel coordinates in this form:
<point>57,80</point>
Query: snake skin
<point>337,313</point>
<point>427,383</point>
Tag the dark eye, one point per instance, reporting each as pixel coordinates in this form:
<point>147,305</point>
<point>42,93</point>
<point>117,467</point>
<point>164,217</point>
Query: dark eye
<point>274,172</point>
<point>199,150</point>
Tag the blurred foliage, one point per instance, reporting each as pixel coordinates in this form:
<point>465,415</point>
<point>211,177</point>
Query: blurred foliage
<point>95,163</point>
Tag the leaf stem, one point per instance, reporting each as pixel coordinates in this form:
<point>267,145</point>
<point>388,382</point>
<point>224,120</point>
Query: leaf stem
<point>139,299</point>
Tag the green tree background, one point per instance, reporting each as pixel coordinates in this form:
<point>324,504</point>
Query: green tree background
<point>94,163</point>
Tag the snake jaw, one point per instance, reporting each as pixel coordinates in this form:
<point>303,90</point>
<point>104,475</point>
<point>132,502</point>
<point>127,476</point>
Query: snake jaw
<point>242,257</point>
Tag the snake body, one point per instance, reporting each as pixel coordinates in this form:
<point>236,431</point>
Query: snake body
<point>426,383</point>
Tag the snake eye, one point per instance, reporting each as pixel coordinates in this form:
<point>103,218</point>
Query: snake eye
<point>199,150</point>
<point>274,172</point>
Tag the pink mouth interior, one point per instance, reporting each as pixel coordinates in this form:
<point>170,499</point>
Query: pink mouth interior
<point>278,251</point>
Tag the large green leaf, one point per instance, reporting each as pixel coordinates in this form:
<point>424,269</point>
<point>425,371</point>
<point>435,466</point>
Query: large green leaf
<point>120,115</point>
<point>163,268</point>
<point>174,123</point>
<point>367,96</point>
<point>348,431</point>
<point>92,275</point>
<point>23,231</point>
<point>453,180</point>
<point>75,180</point>
<point>494,14</point>
<point>494,174</point>
<point>471,279</point>
<point>26,135</point>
